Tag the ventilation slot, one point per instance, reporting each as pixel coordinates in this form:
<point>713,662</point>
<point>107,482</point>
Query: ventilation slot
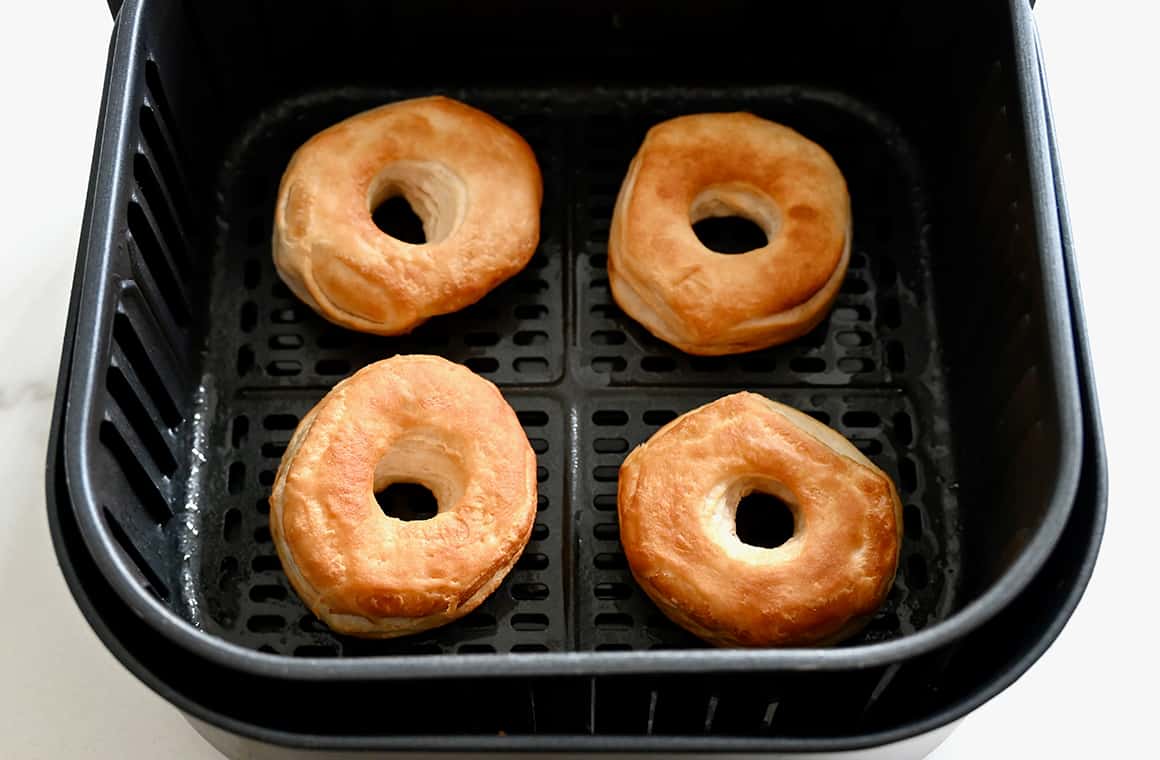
<point>613,591</point>
<point>658,416</point>
<point>481,339</point>
<point>853,365</point>
<point>606,531</point>
<point>908,474</point>
<point>140,420</point>
<point>257,233</point>
<point>236,478</point>
<point>162,137</point>
<point>614,620</point>
<point>232,526</point>
<point>161,205</point>
<point>155,144</point>
<point>251,274</point>
<point>478,621</point>
<point>708,363</point>
<point>332,367</point>
<point>245,360</point>
<point>529,311</point>
<point>610,417</point>
<point>604,502</point>
<point>280,422</point>
<point>658,364</point>
<point>482,365</point>
<point>143,486</point>
<point>532,562</point>
<point>156,259</point>
<point>759,363</point>
<point>807,365</point>
<point>912,521</point>
<point>608,337</point>
<point>891,312</point>
<point>610,561</point>
<point>241,431</point>
<point>153,581</point>
<point>531,365</point>
<point>283,368</point>
<point>530,591</point>
<point>607,364</point>
<point>529,621</point>
<point>285,342</point>
<point>291,315</point>
<point>249,318</point>
<point>532,418</point>
<point>606,473</point>
<point>266,563</point>
<point>860,419</point>
<point>126,337</point>
<point>531,338</point>
<point>268,593</point>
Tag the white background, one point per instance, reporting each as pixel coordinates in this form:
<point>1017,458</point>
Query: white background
<point>1094,693</point>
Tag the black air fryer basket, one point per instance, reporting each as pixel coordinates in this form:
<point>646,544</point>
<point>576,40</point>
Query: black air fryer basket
<point>949,360</point>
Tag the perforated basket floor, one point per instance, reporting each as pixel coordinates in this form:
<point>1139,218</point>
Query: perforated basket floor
<point>588,383</point>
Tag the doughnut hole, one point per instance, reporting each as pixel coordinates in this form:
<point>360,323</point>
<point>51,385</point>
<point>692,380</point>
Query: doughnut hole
<point>764,520</point>
<point>729,234</point>
<point>395,217</point>
<point>417,202</point>
<point>734,218</point>
<point>407,501</point>
<point>417,478</point>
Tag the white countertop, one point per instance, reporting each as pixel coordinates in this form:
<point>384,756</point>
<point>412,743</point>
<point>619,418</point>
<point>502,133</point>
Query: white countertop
<point>63,695</point>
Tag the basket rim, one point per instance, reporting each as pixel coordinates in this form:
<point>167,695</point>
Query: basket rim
<point>92,323</point>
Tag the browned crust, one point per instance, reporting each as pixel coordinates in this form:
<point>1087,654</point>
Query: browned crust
<point>367,574</point>
<point>679,535</point>
<point>706,303</point>
<point>331,254</point>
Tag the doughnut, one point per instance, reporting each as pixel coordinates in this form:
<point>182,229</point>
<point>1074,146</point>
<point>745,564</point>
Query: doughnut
<point>407,419</point>
<point>728,164</point>
<point>473,182</point>
<point>677,501</point>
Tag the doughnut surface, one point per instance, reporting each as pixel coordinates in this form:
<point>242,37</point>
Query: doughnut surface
<point>677,501</point>
<point>408,419</point>
<point>472,181</point>
<point>729,164</point>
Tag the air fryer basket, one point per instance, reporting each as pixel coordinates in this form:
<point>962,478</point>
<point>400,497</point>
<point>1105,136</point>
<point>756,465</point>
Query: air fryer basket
<point>250,716</point>
<point>948,357</point>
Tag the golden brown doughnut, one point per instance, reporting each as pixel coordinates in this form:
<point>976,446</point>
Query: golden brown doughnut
<point>473,182</point>
<point>678,497</point>
<point>408,419</point>
<point>728,164</point>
